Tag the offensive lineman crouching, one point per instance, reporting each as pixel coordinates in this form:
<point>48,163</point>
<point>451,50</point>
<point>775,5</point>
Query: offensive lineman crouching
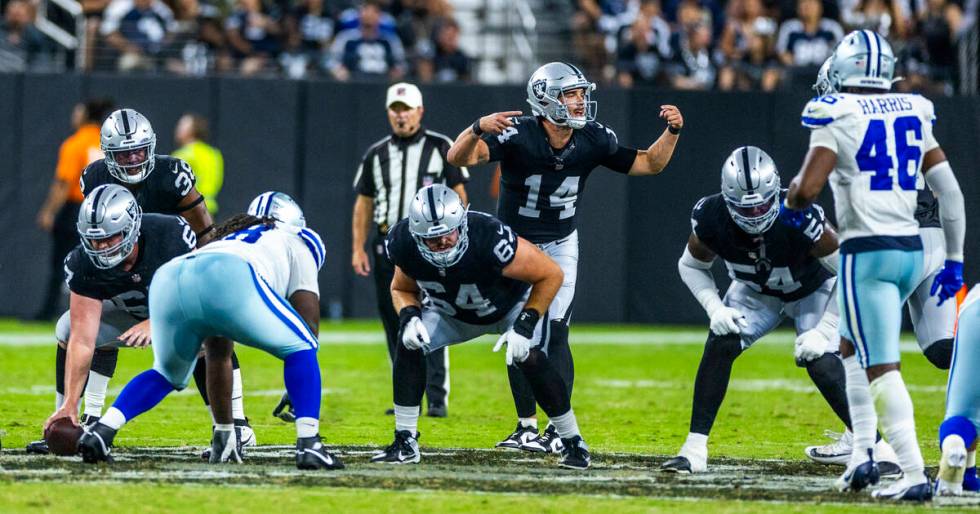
<point>473,274</point>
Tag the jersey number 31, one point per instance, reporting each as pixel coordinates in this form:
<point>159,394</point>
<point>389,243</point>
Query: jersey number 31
<point>873,155</point>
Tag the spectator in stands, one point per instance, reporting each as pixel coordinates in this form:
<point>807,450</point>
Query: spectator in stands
<point>418,22</point>
<point>806,41</point>
<point>22,45</point>
<point>199,39</point>
<point>253,32</point>
<point>644,47</point>
<point>309,31</point>
<point>139,30</point>
<point>596,27</point>
<point>930,60</point>
<point>446,62</point>
<point>746,44</point>
<point>205,160</point>
<point>60,210</point>
<point>873,15</point>
<point>694,67</point>
<point>366,52</point>
<point>92,10</point>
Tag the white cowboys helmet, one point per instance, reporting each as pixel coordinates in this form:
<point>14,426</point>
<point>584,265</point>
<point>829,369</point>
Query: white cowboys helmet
<point>750,186</point>
<point>437,211</point>
<point>822,86</point>
<point>129,143</point>
<point>546,87</point>
<point>279,206</point>
<point>109,210</point>
<point>862,59</point>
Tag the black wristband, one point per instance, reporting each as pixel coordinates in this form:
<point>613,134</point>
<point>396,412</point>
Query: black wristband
<point>526,322</point>
<point>408,313</point>
<point>672,130</point>
<point>477,131</point>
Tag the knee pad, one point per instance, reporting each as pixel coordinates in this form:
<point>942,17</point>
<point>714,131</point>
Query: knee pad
<point>727,346</point>
<point>940,353</point>
<point>958,425</point>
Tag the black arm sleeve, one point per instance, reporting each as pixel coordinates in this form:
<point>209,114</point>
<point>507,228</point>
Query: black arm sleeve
<point>621,160</point>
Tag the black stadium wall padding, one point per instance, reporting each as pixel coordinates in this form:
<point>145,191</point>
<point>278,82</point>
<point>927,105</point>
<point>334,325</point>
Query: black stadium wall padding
<point>306,138</point>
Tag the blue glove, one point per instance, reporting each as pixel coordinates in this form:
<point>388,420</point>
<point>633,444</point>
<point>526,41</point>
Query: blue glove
<point>948,282</point>
<point>791,217</point>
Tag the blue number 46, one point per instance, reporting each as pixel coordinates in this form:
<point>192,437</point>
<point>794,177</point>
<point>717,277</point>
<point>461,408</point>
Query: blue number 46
<point>876,141</point>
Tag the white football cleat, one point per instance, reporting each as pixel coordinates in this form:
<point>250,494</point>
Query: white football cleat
<point>690,459</point>
<point>887,459</point>
<point>902,490</point>
<point>837,452</point>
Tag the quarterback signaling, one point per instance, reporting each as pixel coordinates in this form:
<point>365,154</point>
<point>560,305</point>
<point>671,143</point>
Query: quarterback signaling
<point>777,271</point>
<point>255,284</point>
<point>475,276</point>
<point>875,147</point>
<point>545,160</point>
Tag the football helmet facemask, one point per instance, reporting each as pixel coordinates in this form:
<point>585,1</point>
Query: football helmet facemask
<point>129,144</point>
<point>110,210</point>
<point>750,185</point>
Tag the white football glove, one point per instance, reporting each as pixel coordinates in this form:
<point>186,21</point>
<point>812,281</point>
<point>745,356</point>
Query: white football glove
<point>810,345</point>
<point>414,335</point>
<point>726,320</point>
<point>518,346</point>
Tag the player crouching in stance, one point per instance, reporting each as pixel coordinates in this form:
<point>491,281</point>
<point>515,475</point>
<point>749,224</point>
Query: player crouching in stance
<point>958,432</point>
<point>109,275</point>
<point>873,145</point>
<point>236,288</point>
<point>475,277</point>
<point>777,271</point>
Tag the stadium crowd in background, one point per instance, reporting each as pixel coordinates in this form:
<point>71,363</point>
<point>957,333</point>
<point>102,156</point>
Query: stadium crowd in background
<point>742,45</point>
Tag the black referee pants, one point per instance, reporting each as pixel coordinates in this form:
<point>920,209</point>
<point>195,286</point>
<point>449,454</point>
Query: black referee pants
<point>436,368</point>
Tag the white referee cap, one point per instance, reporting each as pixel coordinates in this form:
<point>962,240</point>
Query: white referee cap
<point>405,93</point>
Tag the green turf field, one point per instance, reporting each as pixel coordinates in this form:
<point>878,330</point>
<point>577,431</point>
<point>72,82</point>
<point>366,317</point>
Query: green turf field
<point>632,394</point>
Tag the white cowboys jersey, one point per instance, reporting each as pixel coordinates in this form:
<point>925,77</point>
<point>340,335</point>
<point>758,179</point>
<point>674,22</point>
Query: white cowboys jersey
<point>880,141</point>
<point>287,258</point>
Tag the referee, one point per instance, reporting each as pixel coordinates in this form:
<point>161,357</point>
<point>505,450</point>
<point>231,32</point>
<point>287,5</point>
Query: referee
<point>389,175</point>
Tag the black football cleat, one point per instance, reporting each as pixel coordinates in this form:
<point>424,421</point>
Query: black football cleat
<point>519,437</point>
<point>547,442</point>
<point>311,454</point>
<point>437,411</point>
<point>404,450</point>
<point>96,443</point>
<point>88,421</point>
<point>39,447</point>
<point>678,464</point>
<point>575,454</point>
<point>284,409</point>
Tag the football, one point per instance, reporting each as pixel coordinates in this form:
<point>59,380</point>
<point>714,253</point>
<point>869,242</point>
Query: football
<point>62,437</point>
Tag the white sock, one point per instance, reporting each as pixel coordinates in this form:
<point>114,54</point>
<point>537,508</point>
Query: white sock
<point>95,393</point>
<point>695,441</point>
<point>230,427</point>
<point>971,458</point>
<point>59,400</point>
<point>407,418</point>
<point>306,427</point>
<point>864,421</point>
<point>113,418</point>
<point>237,401</point>
<point>894,406</point>
<point>529,422</point>
<point>566,425</point>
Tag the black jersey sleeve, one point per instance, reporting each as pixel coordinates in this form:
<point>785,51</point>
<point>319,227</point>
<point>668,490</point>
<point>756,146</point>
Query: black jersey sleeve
<point>500,144</point>
<point>617,158</point>
<point>180,180</point>
<point>704,220</point>
<point>93,176</point>
<point>498,241</point>
<point>78,274</point>
<point>395,243</point>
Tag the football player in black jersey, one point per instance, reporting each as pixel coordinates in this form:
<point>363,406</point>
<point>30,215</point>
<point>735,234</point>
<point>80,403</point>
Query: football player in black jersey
<point>161,184</point>
<point>475,277</point>
<point>777,272</point>
<point>545,160</point>
<point>109,275</point>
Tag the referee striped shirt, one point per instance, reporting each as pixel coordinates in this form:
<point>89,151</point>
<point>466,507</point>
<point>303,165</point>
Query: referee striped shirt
<point>395,168</point>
